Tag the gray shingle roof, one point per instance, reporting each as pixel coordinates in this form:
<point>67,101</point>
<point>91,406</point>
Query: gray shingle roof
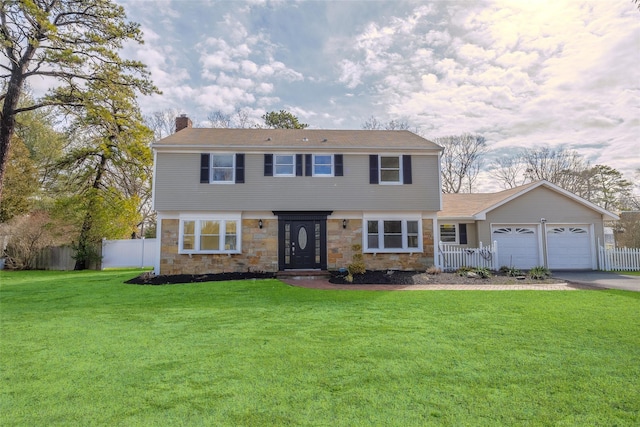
<point>304,139</point>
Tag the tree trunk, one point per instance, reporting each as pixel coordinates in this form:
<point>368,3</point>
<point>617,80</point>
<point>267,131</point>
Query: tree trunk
<point>84,240</point>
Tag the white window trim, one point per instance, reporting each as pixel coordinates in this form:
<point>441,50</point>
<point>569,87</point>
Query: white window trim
<point>381,219</point>
<point>211,168</point>
<point>224,219</point>
<point>457,231</point>
<point>275,165</point>
<point>400,177</point>
<point>333,166</point>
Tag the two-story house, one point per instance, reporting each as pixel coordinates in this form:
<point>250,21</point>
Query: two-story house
<point>278,199</point>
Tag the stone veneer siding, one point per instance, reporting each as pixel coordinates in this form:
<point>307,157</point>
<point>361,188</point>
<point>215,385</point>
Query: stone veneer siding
<point>260,250</point>
<point>340,251</point>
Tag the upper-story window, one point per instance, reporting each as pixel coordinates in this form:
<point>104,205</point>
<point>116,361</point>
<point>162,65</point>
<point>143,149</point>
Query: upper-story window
<point>284,164</point>
<point>322,165</point>
<point>221,168</point>
<point>390,170</point>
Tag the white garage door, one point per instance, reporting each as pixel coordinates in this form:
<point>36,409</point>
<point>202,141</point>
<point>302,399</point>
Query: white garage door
<point>518,245</point>
<point>568,247</point>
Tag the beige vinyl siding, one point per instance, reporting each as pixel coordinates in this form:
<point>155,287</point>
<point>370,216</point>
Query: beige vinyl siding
<point>178,187</point>
<point>540,203</point>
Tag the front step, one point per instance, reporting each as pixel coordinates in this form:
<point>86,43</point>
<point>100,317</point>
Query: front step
<point>303,274</point>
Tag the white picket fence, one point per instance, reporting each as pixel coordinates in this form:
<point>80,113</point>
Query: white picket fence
<point>128,253</point>
<point>453,257</point>
<point>619,259</point>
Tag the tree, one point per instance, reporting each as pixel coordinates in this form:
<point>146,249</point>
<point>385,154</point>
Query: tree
<point>282,120</point>
<point>374,124</point>
<point>562,167</point>
<point>461,161</point>
<point>68,42</point>
<point>108,169</point>
<point>607,187</point>
<point>22,183</point>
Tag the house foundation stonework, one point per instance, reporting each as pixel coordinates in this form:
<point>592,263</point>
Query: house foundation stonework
<point>260,250</point>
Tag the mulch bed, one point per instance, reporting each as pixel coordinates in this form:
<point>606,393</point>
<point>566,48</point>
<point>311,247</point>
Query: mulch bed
<point>385,277</point>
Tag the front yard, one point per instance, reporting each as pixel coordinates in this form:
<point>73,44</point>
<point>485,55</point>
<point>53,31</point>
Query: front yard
<point>83,348</point>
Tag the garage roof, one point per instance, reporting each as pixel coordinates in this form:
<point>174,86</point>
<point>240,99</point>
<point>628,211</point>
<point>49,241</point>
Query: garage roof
<point>475,206</point>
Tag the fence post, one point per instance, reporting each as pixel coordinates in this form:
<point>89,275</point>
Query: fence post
<point>142,255</point>
<point>494,259</point>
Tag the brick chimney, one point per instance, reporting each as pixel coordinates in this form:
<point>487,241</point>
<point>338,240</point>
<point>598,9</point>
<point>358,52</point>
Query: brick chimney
<point>182,122</point>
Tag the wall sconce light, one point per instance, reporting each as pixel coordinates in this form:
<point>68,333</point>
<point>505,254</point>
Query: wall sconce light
<point>543,220</point>
<point>260,224</point>
<point>344,223</point>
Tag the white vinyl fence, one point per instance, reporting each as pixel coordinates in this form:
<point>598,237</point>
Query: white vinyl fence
<point>619,259</point>
<point>453,257</point>
<point>128,253</point>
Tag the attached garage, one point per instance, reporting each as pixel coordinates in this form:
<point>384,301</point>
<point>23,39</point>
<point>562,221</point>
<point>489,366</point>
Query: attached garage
<point>536,224</point>
<point>518,245</point>
<point>569,247</point>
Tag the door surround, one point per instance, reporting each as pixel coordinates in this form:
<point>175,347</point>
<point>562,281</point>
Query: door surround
<point>298,218</point>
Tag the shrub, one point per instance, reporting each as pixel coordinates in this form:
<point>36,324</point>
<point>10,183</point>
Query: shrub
<point>539,273</point>
<point>433,270</point>
<point>357,266</point>
<point>510,271</point>
<point>462,271</point>
<point>484,273</point>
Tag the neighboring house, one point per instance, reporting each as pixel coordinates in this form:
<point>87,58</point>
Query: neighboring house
<point>279,199</point>
<point>537,224</point>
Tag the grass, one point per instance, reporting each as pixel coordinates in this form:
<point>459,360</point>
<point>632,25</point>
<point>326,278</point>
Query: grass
<point>82,348</point>
<point>629,273</point>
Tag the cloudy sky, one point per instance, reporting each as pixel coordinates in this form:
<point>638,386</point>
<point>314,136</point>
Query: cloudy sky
<point>520,73</point>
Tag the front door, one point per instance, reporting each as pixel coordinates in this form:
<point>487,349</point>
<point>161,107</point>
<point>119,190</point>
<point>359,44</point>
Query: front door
<point>302,241</point>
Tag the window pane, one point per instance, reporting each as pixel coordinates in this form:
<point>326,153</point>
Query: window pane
<point>284,170</point>
<point>221,174</point>
<point>412,227</point>
<point>225,160</point>
<point>412,241</point>
<point>189,227</point>
<point>322,160</point>
<point>187,242</point>
<point>393,227</point>
<point>230,243</point>
<point>372,226</point>
<point>390,175</point>
<point>284,160</point>
<point>209,243</point>
<point>390,162</point>
<point>372,241</point>
<point>448,233</point>
<point>392,241</point>
<point>322,170</point>
<point>231,227</point>
<point>210,227</point>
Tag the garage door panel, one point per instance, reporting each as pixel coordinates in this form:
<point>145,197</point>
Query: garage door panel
<point>569,247</point>
<point>518,246</point>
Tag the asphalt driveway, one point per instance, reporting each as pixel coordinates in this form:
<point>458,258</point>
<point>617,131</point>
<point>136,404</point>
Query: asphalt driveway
<point>601,279</point>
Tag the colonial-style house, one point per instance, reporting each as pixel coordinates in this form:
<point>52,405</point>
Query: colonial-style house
<point>281,199</point>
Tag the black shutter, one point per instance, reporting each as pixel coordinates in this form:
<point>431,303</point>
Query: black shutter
<point>268,165</point>
<point>463,233</point>
<point>298,164</point>
<point>308,165</point>
<point>339,168</point>
<point>406,169</point>
<point>239,168</point>
<point>204,168</point>
<point>373,169</point>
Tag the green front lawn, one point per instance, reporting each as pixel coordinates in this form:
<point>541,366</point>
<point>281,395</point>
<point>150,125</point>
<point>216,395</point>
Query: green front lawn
<point>82,348</point>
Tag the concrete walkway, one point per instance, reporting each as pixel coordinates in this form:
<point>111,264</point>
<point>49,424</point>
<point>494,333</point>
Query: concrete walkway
<point>600,279</point>
<point>321,283</point>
